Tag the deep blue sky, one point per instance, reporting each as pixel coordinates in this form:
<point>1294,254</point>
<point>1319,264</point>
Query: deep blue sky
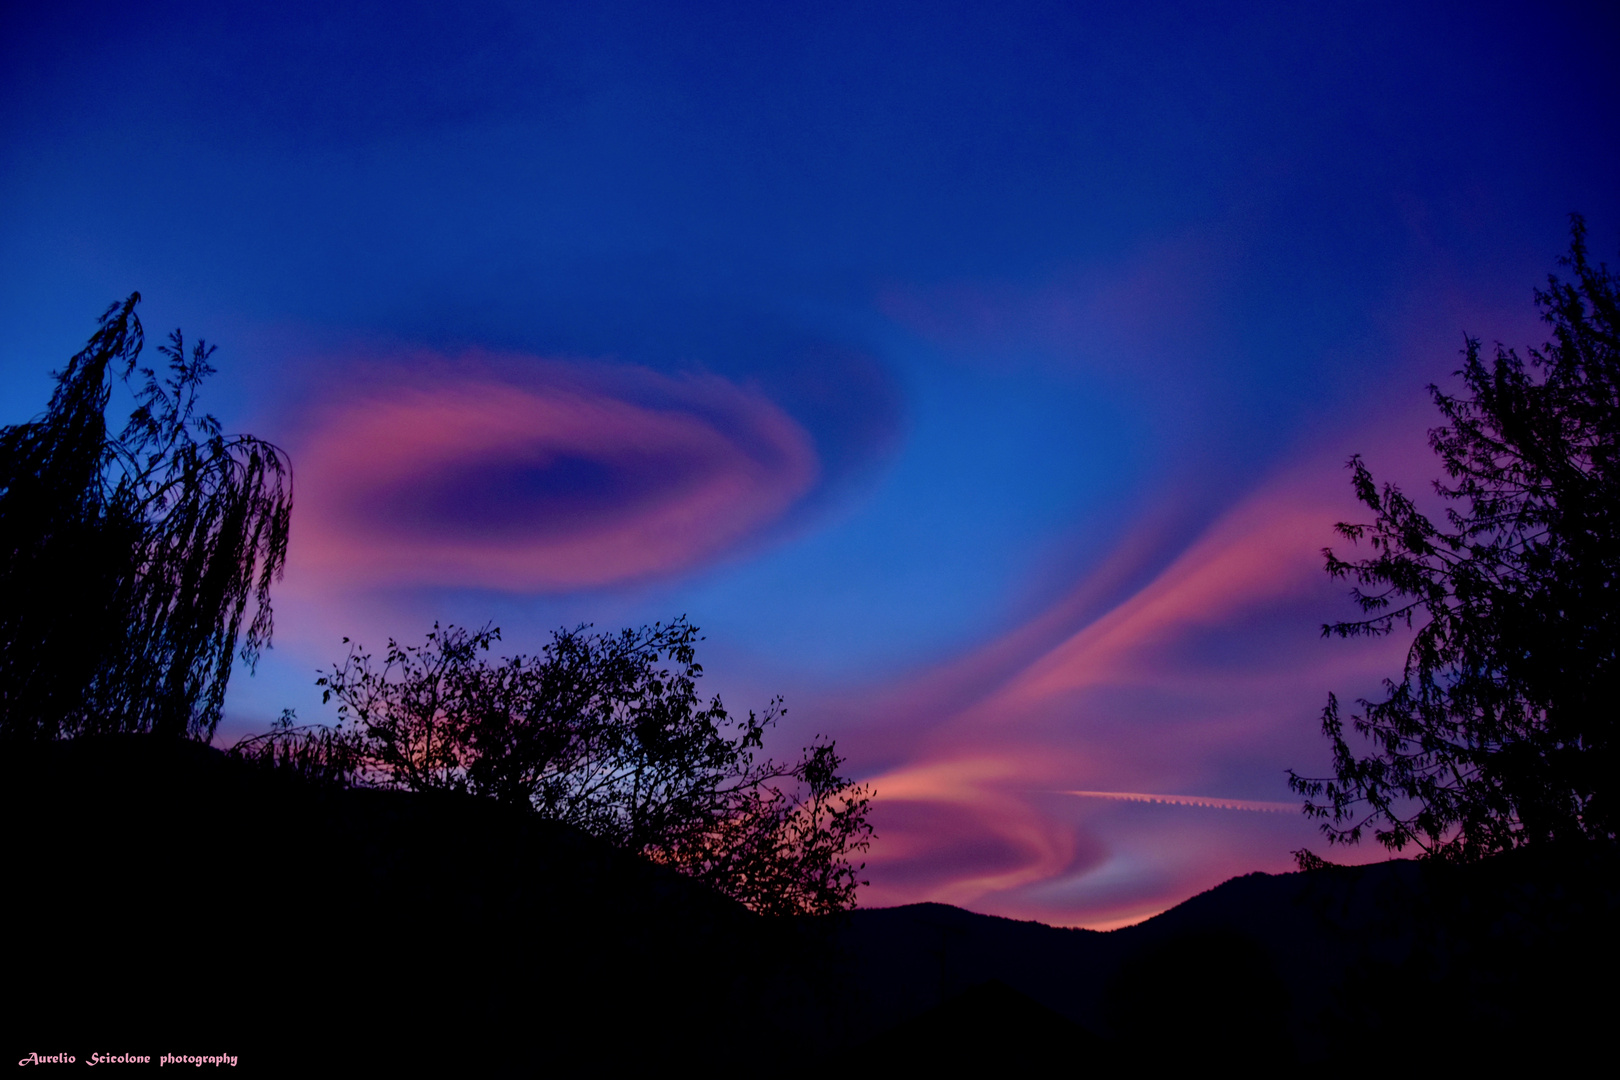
<point>916,352</point>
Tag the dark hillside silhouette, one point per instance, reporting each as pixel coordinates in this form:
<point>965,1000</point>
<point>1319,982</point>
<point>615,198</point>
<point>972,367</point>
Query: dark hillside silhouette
<point>1495,963</point>
<point>987,1029</point>
<point>383,930</point>
<point>371,929</point>
<point>128,564</point>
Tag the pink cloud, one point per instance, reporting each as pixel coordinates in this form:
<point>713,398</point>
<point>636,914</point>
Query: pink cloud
<point>1092,770</point>
<point>1265,549</point>
<point>957,821</point>
<point>548,483</point>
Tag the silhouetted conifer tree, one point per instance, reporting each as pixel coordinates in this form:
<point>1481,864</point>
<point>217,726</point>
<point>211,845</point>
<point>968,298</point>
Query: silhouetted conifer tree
<point>1501,729</point>
<point>127,564</point>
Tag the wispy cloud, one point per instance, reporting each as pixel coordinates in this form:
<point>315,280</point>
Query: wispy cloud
<point>1265,549</point>
<point>1057,760</point>
<point>537,485</point>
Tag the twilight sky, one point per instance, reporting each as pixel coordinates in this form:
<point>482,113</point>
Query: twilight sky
<point>979,377</point>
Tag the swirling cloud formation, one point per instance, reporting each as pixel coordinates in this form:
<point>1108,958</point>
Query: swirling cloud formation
<point>1084,786</point>
<point>556,484</point>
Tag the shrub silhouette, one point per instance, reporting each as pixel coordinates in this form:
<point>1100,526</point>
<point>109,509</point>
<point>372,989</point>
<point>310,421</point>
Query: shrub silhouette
<point>128,563</point>
<point>596,732</point>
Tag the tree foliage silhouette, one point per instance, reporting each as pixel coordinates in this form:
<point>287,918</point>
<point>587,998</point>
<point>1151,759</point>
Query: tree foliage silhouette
<point>1500,730</point>
<point>595,731</point>
<point>128,563</point>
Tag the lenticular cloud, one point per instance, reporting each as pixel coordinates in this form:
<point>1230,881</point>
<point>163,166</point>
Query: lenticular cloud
<point>535,485</point>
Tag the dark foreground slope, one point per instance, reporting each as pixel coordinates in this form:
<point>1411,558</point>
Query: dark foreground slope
<point>167,899</point>
<point>1393,964</point>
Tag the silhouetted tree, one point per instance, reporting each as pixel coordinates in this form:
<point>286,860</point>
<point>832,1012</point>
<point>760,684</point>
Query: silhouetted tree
<point>127,564</point>
<point>595,732</point>
<point>1500,730</point>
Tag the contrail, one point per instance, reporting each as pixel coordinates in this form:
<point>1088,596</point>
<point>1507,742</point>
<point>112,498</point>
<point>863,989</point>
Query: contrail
<point>1192,800</point>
